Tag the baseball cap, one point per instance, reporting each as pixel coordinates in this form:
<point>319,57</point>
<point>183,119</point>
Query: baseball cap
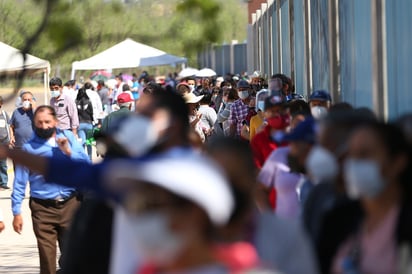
<point>305,131</point>
<point>176,173</point>
<point>320,95</point>
<point>243,84</point>
<point>272,101</point>
<point>124,97</point>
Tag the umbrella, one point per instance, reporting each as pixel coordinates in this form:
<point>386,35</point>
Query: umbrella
<point>187,72</point>
<point>127,77</point>
<point>100,75</point>
<point>206,72</point>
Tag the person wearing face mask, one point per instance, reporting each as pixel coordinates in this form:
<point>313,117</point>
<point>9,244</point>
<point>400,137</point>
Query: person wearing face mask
<point>256,122</point>
<point>372,232</point>
<point>173,219</point>
<point>101,240</point>
<point>21,121</point>
<point>319,102</point>
<point>270,137</point>
<point>239,110</point>
<point>51,205</point>
<point>276,177</point>
<point>324,166</point>
<point>301,139</point>
<point>222,126</point>
<point>195,117</point>
<point>64,106</point>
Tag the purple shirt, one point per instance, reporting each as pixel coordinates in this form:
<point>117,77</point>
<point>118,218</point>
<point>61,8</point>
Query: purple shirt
<point>238,113</point>
<point>66,112</point>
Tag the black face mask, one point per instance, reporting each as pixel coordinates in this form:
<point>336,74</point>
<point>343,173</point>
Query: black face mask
<point>294,165</point>
<point>44,133</point>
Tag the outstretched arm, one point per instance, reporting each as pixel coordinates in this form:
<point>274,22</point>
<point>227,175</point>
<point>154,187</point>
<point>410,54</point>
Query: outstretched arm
<point>35,163</point>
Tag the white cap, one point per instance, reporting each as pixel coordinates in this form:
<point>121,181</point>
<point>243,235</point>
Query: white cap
<point>187,174</point>
<point>190,98</point>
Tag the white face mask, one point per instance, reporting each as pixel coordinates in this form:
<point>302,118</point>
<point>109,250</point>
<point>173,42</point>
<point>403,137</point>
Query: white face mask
<point>26,104</point>
<point>55,93</point>
<point>321,164</point>
<point>243,94</point>
<point>154,240</point>
<point>363,178</point>
<point>192,88</point>
<point>318,112</point>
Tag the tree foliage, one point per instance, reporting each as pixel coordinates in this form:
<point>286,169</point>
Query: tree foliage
<point>63,31</point>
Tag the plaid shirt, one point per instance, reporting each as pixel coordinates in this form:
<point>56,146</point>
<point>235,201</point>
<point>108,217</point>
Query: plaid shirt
<point>238,113</point>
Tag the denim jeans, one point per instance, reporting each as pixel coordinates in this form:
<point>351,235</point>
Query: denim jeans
<point>3,172</point>
<point>82,132</point>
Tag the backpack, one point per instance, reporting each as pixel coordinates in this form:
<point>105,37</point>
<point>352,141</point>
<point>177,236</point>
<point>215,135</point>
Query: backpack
<point>84,110</point>
<point>4,128</point>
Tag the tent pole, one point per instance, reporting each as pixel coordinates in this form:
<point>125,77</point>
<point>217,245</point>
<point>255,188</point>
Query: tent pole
<point>45,86</point>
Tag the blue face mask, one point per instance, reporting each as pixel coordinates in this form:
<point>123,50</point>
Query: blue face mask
<point>55,93</point>
<point>261,105</point>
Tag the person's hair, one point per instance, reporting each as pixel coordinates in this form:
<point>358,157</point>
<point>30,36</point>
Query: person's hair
<point>207,98</point>
<point>88,85</point>
<point>232,94</point>
<point>82,94</point>
<point>45,108</point>
<point>340,106</point>
<point>175,105</point>
<point>67,84</point>
<point>100,82</point>
<point>297,107</point>
<point>395,143</point>
<point>55,81</point>
<point>26,92</point>
<point>120,77</point>
<point>182,89</point>
<point>125,87</point>
<point>150,88</point>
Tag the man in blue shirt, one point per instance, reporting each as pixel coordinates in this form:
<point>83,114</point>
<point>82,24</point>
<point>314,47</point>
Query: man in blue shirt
<point>52,205</point>
<point>21,122</point>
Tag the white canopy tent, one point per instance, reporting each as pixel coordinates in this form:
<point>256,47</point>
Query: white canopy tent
<point>127,54</point>
<point>11,62</point>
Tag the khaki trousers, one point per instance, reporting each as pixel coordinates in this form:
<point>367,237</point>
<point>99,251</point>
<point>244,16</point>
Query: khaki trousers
<point>50,223</point>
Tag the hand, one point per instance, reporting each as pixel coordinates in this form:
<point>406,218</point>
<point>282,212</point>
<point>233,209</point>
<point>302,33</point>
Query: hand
<point>64,146</point>
<point>2,226</point>
<point>12,143</point>
<point>18,223</point>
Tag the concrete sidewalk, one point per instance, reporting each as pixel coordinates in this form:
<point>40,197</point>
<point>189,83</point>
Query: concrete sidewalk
<point>18,253</point>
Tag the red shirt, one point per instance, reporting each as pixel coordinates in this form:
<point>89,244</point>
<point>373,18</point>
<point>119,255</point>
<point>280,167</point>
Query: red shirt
<point>262,145</point>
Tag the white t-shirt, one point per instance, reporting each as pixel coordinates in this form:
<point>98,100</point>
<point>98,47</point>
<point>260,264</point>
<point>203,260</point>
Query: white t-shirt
<point>276,173</point>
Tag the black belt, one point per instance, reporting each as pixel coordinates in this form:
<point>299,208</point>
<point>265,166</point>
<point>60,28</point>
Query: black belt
<point>54,202</point>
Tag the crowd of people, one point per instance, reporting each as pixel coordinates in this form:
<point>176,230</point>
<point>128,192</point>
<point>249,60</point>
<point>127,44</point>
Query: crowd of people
<point>230,174</point>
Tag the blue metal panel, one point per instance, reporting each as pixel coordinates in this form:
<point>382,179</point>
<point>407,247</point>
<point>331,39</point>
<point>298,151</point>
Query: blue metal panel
<point>275,40</point>
<point>320,51</point>
<point>299,45</point>
<point>355,52</point>
<point>284,22</point>
<point>226,60</point>
<point>265,44</point>
<point>240,61</point>
<point>399,61</point>
<point>219,59</point>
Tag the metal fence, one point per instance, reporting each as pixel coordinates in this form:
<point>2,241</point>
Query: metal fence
<point>357,49</point>
<point>226,58</point>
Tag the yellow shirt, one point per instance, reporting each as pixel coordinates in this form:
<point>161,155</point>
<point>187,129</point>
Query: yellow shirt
<point>255,124</point>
